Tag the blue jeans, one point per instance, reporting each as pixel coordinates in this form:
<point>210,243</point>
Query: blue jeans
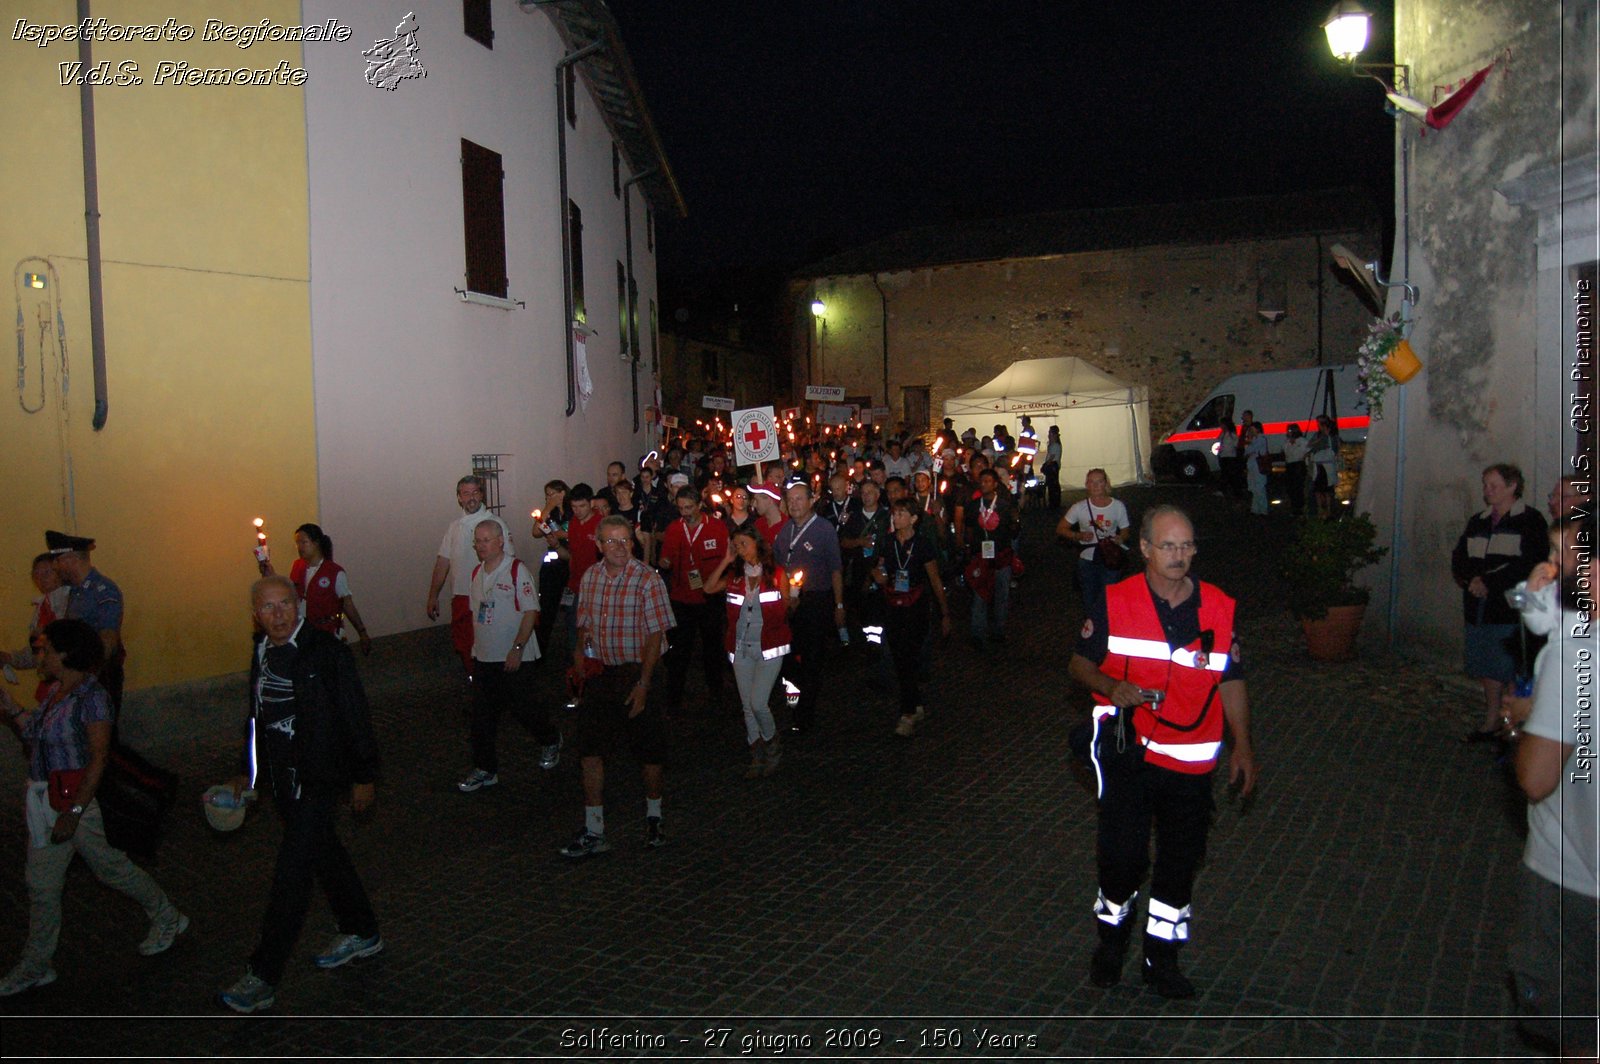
<point>982,625</point>
<point>1093,578</point>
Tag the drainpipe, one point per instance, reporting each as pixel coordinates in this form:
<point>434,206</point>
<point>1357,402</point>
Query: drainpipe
<point>633,289</point>
<point>1397,538</point>
<point>1319,299</point>
<point>566,218</point>
<point>91,225</point>
<point>883,301</point>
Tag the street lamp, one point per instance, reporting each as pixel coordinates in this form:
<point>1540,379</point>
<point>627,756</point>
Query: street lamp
<point>1346,27</point>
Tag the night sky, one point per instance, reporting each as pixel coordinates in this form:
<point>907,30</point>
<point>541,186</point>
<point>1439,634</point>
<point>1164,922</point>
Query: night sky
<point>797,130</point>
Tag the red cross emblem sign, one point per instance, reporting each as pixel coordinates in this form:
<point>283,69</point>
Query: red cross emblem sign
<point>755,436</point>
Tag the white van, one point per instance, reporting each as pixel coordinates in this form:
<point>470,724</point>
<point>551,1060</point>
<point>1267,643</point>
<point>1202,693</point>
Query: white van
<point>1278,398</point>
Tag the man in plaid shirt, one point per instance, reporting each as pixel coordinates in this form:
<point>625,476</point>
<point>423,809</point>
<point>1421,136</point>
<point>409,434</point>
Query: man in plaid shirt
<point>623,617</point>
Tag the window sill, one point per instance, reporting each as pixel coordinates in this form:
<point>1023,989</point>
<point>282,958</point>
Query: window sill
<point>481,299</point>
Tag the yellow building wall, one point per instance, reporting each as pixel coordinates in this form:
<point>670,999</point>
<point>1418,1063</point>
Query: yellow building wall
<point>208,352</point>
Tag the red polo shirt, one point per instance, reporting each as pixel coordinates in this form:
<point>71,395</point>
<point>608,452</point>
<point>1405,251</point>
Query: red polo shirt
<point>700,548</point>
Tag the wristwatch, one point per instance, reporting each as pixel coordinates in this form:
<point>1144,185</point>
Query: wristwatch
<point>76,810</point>
<point>518,646</point>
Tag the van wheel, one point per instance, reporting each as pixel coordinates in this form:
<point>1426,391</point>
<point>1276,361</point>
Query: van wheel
<point>1192,467</point>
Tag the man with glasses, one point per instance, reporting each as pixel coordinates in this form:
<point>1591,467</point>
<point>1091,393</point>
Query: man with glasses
<point>1162,663</point>
<point>623,618</point>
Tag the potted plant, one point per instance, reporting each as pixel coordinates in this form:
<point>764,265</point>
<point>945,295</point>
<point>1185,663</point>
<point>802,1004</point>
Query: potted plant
<point>1320,572</point>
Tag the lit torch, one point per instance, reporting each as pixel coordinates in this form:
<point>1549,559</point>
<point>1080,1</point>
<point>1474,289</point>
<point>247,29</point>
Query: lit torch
<point>261,540</point>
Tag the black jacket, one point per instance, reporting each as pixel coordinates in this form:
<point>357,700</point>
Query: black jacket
<point>1500,555</point>
<point>333,741</point>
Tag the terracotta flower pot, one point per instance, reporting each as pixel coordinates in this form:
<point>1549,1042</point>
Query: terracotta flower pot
<point>1333,638</point>
<point>1402,363</point>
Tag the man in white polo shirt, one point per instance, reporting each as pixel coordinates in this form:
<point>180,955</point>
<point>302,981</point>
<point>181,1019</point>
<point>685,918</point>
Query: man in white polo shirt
<point>456,560</point>
<point>504,600</point>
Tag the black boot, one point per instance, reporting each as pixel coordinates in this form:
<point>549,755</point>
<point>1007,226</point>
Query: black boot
<point>1105,967</point>
<point>1161,969</point>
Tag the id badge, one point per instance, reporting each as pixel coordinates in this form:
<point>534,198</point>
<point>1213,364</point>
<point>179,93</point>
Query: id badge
<point>902,581</point>
<point>867,551</point>
<point>486,611</point>
<point>988,549</point>
<point>567,597</point>
<point>695,583</point>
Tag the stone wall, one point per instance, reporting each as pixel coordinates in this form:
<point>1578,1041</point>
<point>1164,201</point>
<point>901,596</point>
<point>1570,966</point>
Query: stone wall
<point>1491,256</point>
<point>1175,318</point>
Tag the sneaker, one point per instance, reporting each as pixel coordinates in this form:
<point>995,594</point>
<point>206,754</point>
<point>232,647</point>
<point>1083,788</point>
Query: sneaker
<point>757,762</point>
<point>346,948</point>
<point>652,832</point>
<point>163,931</point>
<point>250,994</point>
<point>550,756</point>
<point>906,728</point>
<point>586,844</point>
<point>920,715</point>
<point>476,780</point>
<point>22,978</point>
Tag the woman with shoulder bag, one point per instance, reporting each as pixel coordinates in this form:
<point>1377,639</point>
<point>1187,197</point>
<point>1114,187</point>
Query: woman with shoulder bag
<point>757,637</point>
<point>1100,524</point>
<point>68,741</point>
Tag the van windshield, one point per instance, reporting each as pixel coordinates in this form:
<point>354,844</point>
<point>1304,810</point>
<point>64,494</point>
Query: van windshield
<point>1210,416</point>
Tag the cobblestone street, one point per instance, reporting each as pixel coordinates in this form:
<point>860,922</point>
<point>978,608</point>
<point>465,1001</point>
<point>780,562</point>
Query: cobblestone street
<point>918,898</point>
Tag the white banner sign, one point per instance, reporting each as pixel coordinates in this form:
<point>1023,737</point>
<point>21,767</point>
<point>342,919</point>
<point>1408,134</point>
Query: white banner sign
<point>716,402</point>
<point>669,421</point>
<point>824,394</point>
<point>755,436</point>
<point>832,414</point>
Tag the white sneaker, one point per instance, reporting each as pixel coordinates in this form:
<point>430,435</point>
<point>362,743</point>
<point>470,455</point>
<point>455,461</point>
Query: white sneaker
<point>550,756</point>
<point>22,979</point>
<point>906,728</point>
<point>164,931</point>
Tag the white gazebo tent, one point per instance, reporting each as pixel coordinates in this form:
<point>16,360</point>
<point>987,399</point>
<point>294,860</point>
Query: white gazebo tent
<point>1104,422</point>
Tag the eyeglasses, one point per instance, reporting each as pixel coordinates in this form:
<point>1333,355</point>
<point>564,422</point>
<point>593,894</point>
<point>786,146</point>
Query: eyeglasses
<point>614,542</point>
<point>1187,547</point>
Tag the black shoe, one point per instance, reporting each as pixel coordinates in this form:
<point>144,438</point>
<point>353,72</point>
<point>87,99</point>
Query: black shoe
<point>1105,967</point>
<point>652,832</point>
<point>1485,736</point>
<point>1164,978</point>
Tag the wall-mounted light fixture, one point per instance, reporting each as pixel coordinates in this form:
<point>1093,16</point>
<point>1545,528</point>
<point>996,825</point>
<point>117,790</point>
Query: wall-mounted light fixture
<point>1346,26</point>
<point>819,309</point>
<point>34,280</point>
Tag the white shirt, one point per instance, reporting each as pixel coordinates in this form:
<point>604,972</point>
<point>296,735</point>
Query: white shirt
<point>456,547</point>
<point>1296,450</point>
<point>898,467</point>
<point>1106,521</point>
<point>1562,828</point>
<point>498,604</point>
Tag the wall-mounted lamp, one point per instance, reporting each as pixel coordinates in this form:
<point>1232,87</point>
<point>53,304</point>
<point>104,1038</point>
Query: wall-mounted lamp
<point>818,308</point>
<point>34,280</point>
<point>1346,26</point>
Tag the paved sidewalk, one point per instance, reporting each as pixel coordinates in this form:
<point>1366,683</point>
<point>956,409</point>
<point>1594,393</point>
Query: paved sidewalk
<point>923,899</point>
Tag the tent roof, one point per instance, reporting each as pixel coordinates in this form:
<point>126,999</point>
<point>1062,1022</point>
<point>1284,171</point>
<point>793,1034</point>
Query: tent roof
<point>1038,379</point>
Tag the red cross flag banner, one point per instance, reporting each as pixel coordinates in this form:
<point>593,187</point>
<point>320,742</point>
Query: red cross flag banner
<point>755,436</point>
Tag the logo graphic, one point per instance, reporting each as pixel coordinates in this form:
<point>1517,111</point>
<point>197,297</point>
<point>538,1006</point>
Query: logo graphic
<point>393,61</point>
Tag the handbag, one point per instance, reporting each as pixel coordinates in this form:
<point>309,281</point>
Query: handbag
<point>1110,553</point>
<point>134,797</point>
<point>64,786</point>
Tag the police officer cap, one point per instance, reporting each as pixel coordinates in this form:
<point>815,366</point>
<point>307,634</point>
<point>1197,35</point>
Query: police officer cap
<point>61,543</point>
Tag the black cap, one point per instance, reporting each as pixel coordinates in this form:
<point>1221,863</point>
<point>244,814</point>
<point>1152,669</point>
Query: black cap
<point>61,543</point>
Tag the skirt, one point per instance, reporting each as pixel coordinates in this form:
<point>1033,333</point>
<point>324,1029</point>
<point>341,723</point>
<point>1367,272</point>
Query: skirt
<point>1489,654</point>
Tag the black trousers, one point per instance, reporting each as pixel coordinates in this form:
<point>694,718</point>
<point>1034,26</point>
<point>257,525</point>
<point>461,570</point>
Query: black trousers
<point>704,620</point>
<point>310,850</point>
<point>812,626</point>
<point>552,582</point>
<point>1138,795</point>
<point>494,691</point>
<point>1052,483</point>
<point>907,628</point>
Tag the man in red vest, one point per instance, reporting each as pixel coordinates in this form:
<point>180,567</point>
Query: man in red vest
<point>1163,665</point>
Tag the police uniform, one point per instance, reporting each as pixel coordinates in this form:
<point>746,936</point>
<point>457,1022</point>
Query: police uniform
<point>97,602</point>
<point>1153,763</point>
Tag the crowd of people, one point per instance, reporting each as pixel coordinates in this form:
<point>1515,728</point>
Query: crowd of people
<point>761,575</point>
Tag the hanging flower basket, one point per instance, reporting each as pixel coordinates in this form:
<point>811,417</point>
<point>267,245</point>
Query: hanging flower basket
<point>1385,359</point>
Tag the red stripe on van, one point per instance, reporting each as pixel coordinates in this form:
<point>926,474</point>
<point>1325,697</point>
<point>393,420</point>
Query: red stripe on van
<point>1272,428</point>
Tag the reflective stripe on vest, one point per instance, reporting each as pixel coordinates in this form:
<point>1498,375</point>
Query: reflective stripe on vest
<point>1155,650</point>
<point>1184,751</point>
